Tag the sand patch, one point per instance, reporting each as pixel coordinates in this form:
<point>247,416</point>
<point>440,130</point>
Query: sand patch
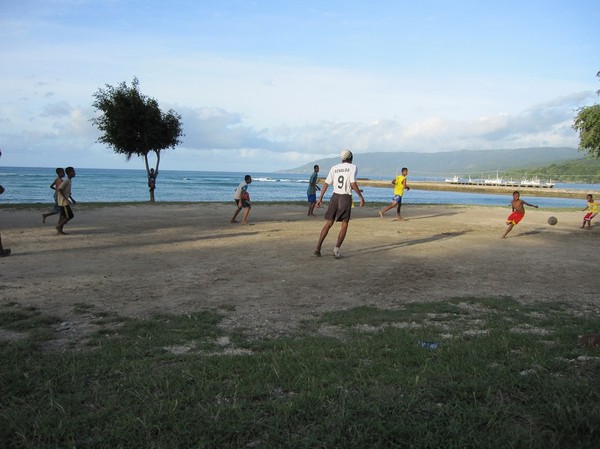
<point>135,261</point>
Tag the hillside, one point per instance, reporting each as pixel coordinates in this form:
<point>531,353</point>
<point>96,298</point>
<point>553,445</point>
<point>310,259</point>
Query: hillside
<point>585,170</point>
<point>443,164</point>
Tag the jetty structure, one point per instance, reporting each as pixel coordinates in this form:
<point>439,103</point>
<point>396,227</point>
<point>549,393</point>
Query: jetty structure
<point>486,188</point>
<point>527,186</point>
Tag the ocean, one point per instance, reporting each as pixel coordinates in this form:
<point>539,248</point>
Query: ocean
<point>30,185</point>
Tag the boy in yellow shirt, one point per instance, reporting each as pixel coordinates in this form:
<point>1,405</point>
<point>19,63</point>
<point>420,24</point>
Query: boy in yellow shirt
<point>399,188</point>
<point>592,208</point>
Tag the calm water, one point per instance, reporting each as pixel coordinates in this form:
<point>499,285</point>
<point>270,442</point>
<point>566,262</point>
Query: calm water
<point>31,185</point>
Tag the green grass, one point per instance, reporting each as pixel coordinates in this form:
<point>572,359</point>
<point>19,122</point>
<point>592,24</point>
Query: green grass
<point>505,375</point>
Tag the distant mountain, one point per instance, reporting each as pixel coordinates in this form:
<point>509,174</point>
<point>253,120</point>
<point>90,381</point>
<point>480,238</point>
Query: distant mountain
<point>377,165</point>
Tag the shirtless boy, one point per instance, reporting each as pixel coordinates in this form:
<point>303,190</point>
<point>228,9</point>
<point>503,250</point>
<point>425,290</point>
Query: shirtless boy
<point>518,212</point>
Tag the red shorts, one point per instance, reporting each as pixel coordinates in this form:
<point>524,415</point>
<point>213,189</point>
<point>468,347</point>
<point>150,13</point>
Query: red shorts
<point>589,216</point>
<point>515,217</point>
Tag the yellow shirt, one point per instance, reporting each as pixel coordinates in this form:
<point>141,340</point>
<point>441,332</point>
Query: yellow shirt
<point>593,207</point>
<point>399,186</point>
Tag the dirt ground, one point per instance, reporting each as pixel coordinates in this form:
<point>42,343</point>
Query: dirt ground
<point>139,260</point>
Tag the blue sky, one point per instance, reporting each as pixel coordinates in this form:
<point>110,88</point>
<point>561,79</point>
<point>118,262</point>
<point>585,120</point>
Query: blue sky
<point>267,85</point>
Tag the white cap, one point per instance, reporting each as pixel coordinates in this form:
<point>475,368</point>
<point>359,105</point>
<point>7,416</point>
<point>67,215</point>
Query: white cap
<point>345,155</point>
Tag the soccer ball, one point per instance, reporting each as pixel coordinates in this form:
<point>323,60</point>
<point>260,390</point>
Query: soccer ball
<point>552,221</point>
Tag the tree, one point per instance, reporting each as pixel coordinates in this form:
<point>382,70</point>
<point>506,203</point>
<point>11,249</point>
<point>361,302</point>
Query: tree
<point>133,124</point>
<point>587,123</point>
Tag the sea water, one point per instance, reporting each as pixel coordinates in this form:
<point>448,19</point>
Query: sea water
<point>27,185</point>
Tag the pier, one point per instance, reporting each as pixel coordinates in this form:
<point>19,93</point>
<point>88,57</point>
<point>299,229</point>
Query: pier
<point>497,181</point>
<point>485,188</point>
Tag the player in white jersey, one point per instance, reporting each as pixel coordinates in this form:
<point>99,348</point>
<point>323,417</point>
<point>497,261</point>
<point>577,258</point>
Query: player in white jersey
<point>343,178</point>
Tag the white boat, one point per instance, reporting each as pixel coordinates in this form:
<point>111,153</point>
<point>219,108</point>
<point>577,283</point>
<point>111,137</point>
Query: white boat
<point>535,182</point>
<point>497,181</point>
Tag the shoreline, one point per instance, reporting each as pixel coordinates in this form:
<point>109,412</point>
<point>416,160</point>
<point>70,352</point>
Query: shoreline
<point>380,184</point>
<point>87,206</point>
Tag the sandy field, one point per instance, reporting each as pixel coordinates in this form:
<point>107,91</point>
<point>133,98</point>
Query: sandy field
<point>145,259</point>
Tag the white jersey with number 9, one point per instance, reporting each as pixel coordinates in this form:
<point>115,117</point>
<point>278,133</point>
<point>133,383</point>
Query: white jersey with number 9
<point>341,177</point>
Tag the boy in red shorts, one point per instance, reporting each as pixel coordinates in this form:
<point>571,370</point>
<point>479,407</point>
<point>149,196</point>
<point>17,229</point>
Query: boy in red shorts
<point>592,210</point>
<point>518,212</point>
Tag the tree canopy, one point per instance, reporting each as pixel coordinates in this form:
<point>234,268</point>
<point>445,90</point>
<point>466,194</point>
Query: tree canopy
<point>587,123</point>
<point>133,124</point>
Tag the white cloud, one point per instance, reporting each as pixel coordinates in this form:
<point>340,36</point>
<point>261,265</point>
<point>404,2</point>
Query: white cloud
<point>215,137</point>
<point>215,128</point>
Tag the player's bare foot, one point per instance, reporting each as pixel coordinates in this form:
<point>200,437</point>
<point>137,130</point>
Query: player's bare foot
<point>60,231</point>
<point>381,214</point>
<point>317,253</point>
<point>233,221</point>
<point>5,252</point>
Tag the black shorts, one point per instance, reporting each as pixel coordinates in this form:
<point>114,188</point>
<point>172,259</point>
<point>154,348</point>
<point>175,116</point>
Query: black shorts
<point>244,204</point>
<point>340,207</point>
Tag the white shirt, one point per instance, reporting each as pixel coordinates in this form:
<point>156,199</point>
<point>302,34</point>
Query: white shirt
<point>65,188</point>
<point>341,177</point>
<point>237,195</point>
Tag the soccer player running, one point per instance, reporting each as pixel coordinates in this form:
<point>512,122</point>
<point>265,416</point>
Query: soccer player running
<point>592,210</point>
<point>399,187</point>
<point>518,212</point>
<point>64,200</point>
<point>343,178</point>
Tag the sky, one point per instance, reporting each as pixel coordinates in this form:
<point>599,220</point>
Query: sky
<point>275,84</point>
